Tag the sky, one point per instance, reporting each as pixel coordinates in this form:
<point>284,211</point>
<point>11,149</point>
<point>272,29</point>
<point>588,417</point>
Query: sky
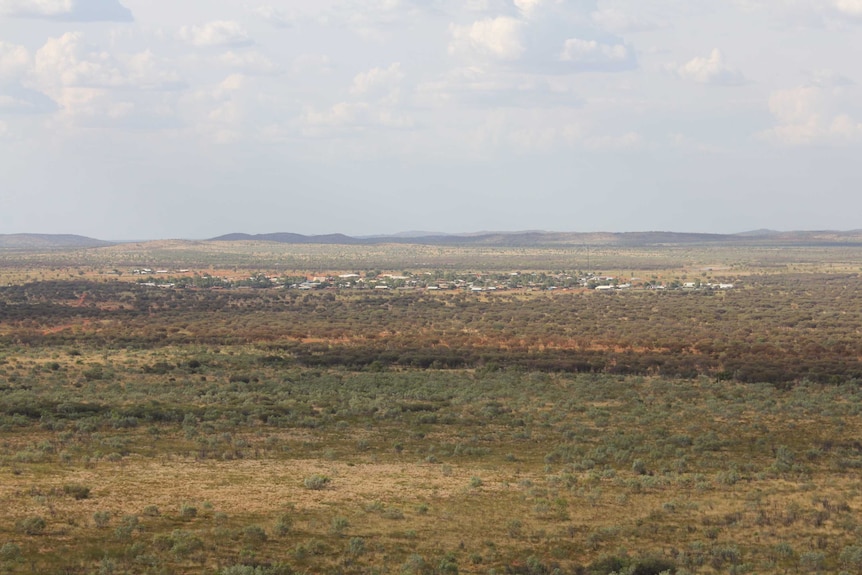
<point>146,119</point>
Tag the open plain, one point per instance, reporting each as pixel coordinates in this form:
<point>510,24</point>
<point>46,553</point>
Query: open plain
<point>263,408</point>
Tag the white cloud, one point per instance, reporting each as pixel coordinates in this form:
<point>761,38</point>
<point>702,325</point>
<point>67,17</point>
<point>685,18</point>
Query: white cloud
<point>592,52</point>
<point>67,10</point>
<point>807,13</point>
<point>274,16</point>
<point>375,98</point>
<point>312,64</point>
<point>527,6</point>
<point>626,141</point>
<point>540,131</point>
<point>624,21</point>
<point>96,87</point>
<point>827,78</point>
<point>500,38</point>
<point>341,114</point>
<point>377,80</point>
<point>49,8</point>
<point>249,62</point>
<point>16,99</point>
<point>709,70</point>
<point>232,83</point>
<point>480,87</point>
<point>851,8</point>
<point>809,115</point>
<point>217,33</point>
<point>14,60</point>
<point>377,20</point>
<point>351,117</point>
<point>224,112</point>
<point>68,61</point>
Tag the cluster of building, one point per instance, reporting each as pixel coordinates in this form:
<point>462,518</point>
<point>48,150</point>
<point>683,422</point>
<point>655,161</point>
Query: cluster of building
<point>432,281</point>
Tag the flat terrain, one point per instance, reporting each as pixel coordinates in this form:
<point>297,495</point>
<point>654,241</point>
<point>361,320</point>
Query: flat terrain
<point>262,428</point>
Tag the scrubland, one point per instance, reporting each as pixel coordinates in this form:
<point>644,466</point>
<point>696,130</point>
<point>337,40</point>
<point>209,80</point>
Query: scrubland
<point>263,431</point>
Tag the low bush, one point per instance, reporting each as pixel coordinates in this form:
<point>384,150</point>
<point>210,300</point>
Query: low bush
<point>76,491</point>
<point>33,525</point>
<point>316,481</point>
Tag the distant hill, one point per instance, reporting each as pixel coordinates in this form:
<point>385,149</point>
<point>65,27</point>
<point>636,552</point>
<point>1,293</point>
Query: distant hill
<point>288,238</point>
<point>758,233</point>
<point>49,242</point>
<point>520,239</point>
<point>561,239</point>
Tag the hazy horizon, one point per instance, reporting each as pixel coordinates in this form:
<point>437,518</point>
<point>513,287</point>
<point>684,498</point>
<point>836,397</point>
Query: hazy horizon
<point>150,119</point>
<point>410,234</point>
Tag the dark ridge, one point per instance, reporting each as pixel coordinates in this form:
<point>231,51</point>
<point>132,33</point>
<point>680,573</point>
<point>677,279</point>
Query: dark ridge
<point>495,239</point>
<point>551,239</point>
<point>49,241</point>
<point>758,233</point>
<point>289,238</point>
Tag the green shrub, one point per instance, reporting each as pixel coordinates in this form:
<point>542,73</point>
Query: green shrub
<point>812,560</point>
<point>283,525</point>
<point>339,525</point>
<point>448,566</point>
<point>515,529</point>
<point>184,543</point>
<point>356,546</point>
<point>151,511</point>
<point>127,528</point>
<point>107,567</point>
<point>606,565</point>
<point>652,566</point>
<point>220,517</point>
<point>10,552</point>
<point>316,481</point>
<point>851,557</point>
<point>415,565</point>
<point>33,525</point>
<point>274,569</point>
<point>188,512</point>
<point>102,519</point>
<point>77,491</point>
<point>392,513</point>
<point>254,534</point>
<point>162,542</point>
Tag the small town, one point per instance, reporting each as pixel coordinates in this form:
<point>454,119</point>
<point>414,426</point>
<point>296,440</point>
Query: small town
<point>430,281</point>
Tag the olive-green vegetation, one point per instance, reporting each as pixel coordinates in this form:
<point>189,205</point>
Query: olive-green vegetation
<point>771,328</point>
<point>275,431</point>
<point>250,256</point>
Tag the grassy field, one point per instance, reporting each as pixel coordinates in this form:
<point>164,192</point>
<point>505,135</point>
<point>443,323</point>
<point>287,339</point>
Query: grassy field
<point>242,258</point>
<point>262,431</point>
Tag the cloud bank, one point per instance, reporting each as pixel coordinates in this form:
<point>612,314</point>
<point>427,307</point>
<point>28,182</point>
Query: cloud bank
<point>67,10</point>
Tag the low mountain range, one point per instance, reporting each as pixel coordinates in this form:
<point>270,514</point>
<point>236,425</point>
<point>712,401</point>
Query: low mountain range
<point>549,239</point>
<point>523,239</point>
<point>49,242</point>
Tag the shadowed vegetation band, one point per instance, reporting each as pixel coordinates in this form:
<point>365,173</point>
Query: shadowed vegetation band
<point>778,329</point>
